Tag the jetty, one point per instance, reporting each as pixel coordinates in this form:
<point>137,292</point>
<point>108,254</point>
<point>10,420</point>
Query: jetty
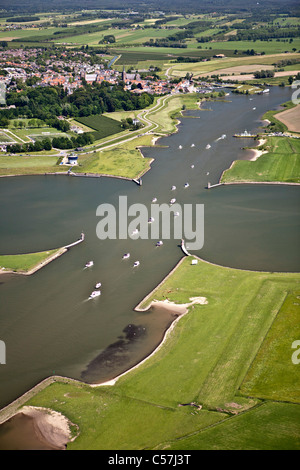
<point>183,247</point>
<point>80,240</point>
<point>209,186</point>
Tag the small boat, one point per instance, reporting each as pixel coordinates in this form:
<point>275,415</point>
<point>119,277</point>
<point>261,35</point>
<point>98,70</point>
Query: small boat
<point>193,145</point>
<point>150,220</point>
<point>135,232</point>
<point>98,285</point>
<point>154,199</point>
<point>176,214</point>
<point>136,263</point>
<point>95,294</point>
<point>186,185</point>
<point>253,108</point>
<point>126,256</point>
<point>207,173</point>
<point>180,147</point>
<point>172,201</point>
<point>192,166</point>
<point>89,264</point>
<point>160,243</point>
<point>208,146</point>
<point>173,188</point>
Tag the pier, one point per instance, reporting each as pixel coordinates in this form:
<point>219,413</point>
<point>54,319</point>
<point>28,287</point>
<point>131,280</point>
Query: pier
<point>80,240</point>
<point>209,186</point>
<point>183,247</point>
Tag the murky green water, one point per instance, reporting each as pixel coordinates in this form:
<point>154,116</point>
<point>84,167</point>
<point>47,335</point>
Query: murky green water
<point>46,321</point>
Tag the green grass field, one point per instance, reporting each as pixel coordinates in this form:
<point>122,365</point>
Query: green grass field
<point>204,360</point>
<point>24,262</point>
<point>281,163</point>
<point>28,165</point>
<point>123,160</point>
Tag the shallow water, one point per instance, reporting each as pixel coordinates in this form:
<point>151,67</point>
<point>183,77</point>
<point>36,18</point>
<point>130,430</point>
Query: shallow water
<point>46,320</point>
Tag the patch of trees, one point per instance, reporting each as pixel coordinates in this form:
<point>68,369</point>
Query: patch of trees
<point>47,103</point>
<point>264,74</point>
<point>22,19</point>
<point>164,42</point>
<point>265,33</point>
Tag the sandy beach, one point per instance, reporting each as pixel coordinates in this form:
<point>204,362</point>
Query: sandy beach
<point>257,153</point>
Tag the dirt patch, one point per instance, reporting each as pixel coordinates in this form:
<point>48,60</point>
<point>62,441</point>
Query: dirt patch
<point>291,118</point>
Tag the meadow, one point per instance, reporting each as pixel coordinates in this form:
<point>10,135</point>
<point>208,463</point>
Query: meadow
<point>24,262</point>
<point>280,163</point>
<point>201,365</point>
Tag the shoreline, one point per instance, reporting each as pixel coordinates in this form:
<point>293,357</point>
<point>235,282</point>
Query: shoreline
<point>180,309</point>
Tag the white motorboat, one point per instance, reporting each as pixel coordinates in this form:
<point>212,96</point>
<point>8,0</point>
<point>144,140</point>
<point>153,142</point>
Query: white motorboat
<point>172,201</point>
<point>176,214</point>
<point>150,220</point>
<point>154,199</point>
<point>208,146</point>
<point>192,166</point>
<point>173,188</point>
<point>98,285</point>
<point>135,232</point>
<point>253,108</point>
<point>160,243</point>
<point>95,294</point>
<point>126,256</point>
<point>89,264</point>
<point>193,145</point>
<point>186,185</point>
<point>136,263</point>
<point>180,147</point>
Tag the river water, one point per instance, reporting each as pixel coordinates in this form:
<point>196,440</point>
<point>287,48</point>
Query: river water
<point>48,325</point>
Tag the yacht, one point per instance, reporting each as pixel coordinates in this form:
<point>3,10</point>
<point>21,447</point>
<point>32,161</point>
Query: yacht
<point>136,263</point>
<point>89,264</point>
<point>154,199</point>
<point>176,214</point>
<point>193,145</point>
<point>160,243</point>
<point>98,285</point>
<point>95,294</point>
<point>126,256</point>
<point>186,185</point>
<point>150,220</point>
<point>173,188</point>
<point>192,166</point>
<point>208,146</point>
<point>180,147</point>
<point>135,232</point>
<point>172,201</point>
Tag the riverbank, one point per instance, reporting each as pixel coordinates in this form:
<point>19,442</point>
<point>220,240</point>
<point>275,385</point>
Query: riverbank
<point>195,359</point>
<point>28,264</point>
<point>278,161</point>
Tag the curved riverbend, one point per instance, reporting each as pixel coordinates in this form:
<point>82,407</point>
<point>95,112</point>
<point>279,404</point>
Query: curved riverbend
<point>50,328</point>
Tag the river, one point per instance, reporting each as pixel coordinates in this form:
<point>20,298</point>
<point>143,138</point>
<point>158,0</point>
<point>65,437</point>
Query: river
<point>46,320</point>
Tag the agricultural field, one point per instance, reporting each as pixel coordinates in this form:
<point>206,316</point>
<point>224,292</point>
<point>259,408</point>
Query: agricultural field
<point>29,165</point>
<point>103,126</point>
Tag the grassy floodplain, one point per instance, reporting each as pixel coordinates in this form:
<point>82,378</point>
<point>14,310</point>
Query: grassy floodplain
<point>24,263</point>
<point>281,163</point>
<point>203,362</point>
